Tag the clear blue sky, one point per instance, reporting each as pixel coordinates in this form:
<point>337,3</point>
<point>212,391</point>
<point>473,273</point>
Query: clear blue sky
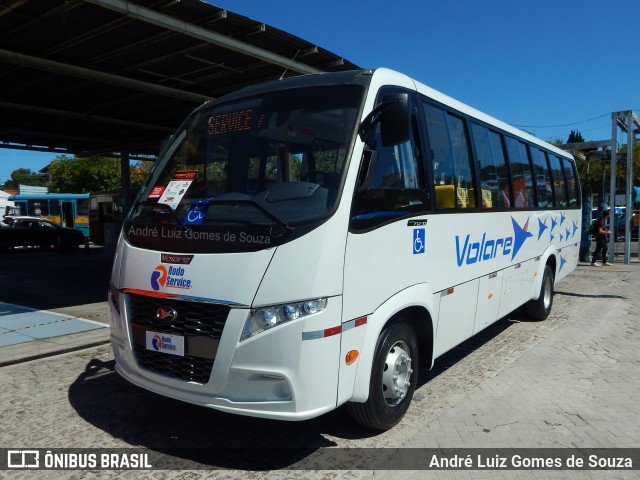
<point>557,64</point>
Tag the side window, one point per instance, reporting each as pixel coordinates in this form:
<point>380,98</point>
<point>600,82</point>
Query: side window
<point>395,181</point>
<point>83,207</point>
<point>543,178</point>
<point>54,207</point>
<point>521,177</point>
<point>452,173</point>
<point>492,166</point>
<point>38,207</point>
<point>572,184</point>
<point>559,186</point>
<point>22,208</point>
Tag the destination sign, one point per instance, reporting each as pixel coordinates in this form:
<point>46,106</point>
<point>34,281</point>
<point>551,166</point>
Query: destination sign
<point>235,122</point>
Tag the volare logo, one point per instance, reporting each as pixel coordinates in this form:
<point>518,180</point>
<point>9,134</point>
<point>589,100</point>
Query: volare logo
<point>470,251</point>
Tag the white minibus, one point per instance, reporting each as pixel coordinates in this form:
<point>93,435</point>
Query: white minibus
<point>313,241</point>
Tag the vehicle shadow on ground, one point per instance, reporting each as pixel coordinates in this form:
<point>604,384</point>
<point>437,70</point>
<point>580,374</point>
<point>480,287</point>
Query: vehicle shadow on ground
<point>192,433</point>
<point>206,438</point>
<point>584,295</point>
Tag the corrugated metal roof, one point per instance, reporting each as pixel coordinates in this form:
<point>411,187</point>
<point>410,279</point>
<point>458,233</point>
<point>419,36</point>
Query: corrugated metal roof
<point>97,76</point>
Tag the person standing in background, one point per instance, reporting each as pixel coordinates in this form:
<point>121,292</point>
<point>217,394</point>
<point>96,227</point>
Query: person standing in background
<point>601,240</point>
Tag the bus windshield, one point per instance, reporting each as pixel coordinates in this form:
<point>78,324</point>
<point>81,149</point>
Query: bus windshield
<point>253,169</point>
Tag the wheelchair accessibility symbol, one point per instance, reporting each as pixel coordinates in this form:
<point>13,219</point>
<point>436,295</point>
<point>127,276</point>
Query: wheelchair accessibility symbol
<point>196,213</point>
<point>419,243</point>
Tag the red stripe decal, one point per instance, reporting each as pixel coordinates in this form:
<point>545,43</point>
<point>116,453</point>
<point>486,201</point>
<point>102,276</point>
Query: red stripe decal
<point>328,332</point>
<point>361,321</point>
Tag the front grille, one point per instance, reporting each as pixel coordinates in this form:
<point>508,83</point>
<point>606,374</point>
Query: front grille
<point>188,368</point>
<point>196,321</point>
<point>194,318</point>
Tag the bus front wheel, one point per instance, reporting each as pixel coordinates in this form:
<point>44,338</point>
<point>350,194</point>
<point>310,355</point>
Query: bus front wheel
<point>540,308</point>
<point>393,379</point>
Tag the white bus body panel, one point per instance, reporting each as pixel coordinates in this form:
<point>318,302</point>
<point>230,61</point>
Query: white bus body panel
<point>467,271</point>
<point>493,262</point>
<point>309,267</point>
<point>256,377</point>
<point>236,276</point>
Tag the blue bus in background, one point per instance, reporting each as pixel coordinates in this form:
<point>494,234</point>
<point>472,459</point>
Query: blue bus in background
<point>66,209</point>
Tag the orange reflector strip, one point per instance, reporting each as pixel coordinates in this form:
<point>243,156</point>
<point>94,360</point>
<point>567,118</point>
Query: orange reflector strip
<point>147,293</point>
<point>351,357</point>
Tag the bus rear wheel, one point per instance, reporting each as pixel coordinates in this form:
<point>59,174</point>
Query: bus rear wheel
<point>540,308</point>
<point>393,379</point>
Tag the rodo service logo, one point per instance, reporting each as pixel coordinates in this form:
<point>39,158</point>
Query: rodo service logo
<point>171,277</point>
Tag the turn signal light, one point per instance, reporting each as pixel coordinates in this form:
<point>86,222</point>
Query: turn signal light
<point>351,357</point>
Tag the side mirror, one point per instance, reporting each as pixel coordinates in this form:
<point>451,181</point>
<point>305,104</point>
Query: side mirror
<point>393,115</point>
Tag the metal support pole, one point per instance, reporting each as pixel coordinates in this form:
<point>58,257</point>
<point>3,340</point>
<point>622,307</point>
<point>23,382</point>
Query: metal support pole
<point>629,186</point>
<point>612,190</point>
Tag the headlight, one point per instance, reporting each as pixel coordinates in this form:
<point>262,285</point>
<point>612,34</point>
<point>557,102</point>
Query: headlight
<point>261,319</point>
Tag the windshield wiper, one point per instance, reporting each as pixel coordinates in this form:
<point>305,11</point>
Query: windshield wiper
<point>164,209</point>
<point>241,199</point>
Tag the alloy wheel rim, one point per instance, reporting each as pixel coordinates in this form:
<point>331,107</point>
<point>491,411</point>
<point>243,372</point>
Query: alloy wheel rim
<point>396,377</point>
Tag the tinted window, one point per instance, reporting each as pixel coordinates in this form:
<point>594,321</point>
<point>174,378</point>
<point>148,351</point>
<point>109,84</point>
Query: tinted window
<point>38,207</point>
<point>83,207</point>
<point>451,163</point>
<point>572,184</point>
<point>494,175</point>
<point>395,184</point>
<point>54,207</point>
<point>543,178</point>
<point>521,177</point>
<point>559,187</point>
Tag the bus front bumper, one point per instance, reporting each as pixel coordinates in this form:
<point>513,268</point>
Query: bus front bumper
<point>275,375</point>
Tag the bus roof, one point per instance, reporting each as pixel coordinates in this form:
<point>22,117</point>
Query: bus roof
<point>391,77</point>
<point>44,196</point>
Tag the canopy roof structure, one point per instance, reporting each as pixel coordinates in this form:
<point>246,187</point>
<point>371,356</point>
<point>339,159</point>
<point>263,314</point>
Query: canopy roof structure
<point>102,76</point>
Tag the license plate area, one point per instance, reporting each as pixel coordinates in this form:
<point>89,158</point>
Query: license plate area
<point>168,343</point>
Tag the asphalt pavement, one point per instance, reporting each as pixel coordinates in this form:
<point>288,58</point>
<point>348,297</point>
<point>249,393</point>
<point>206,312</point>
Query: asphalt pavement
<point>569,382</point>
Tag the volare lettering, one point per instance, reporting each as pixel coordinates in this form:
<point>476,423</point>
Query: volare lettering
<point>470,252</point>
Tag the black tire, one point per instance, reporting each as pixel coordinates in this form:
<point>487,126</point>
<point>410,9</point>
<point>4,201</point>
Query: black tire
<point>397,350</point>
<point>540,308</point>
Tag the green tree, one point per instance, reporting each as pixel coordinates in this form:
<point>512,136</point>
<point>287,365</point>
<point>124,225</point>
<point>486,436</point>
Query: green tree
<point>575,137</point>
<point>84,174</point>
<point>591,171</point>
<point>24,176</point>
<point>93,174</point>
<point>139,172</point>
